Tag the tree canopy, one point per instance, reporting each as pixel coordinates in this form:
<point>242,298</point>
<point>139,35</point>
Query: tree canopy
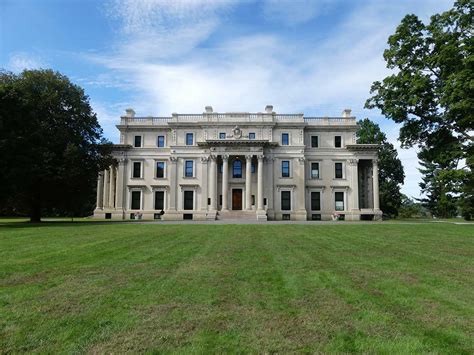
<point>51,144</point>
<point>431,93</point>
<point>391,174</point>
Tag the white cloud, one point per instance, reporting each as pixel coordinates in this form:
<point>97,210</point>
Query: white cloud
<point>21,61</point>
<point>294,12</point>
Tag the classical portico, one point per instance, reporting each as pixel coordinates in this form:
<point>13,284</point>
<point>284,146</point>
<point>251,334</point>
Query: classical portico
<point>262,166</point>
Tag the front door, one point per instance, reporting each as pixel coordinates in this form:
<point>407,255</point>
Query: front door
<point>237,199</point>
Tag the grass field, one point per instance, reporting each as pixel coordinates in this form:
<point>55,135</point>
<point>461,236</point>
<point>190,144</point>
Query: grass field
<point>84,287</point>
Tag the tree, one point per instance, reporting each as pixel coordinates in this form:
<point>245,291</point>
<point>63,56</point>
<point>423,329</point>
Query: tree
<point>391,174</point>
<point>431,92</point>
<point>410,208</point>
<point>51,145</point>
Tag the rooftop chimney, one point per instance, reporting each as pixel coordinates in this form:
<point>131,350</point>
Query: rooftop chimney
<point>208,109</point>
<point>130,112</point>
<point>346,112</point>
<point>269,109</point>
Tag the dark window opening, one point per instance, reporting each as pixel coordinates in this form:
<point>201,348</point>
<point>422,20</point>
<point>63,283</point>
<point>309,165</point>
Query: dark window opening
<point>188,200</point>
<point>188,216</point>
<point>108,216</point>
<point>252,167</point>
<point>253,200</point>
<point>138,142</point>
<point>251,135</point>
<point>159,200</point>
<point>208,201</point>
<point>264,201</point>
<point>285,168</point>
<point>314,142</point>
<point>237,169</point>
<point>188,171</point>
<point>285,139</point>
<point>338,141</point>
<point>161,141</point>
<point>338,170</point>
<point>137,169</point>
<point>222,135</point>
<point>285,217</point>
<point>189,139</point>
<point>157,216</point>
<point>367,217</point>
<point>136,197</point>
<point>339,201</point>
<point>315,201</point>
<point>220,200</point>
<point>160,169</point>
<point>286,200</point>
<point>316,217</point>
<point>314,170</point>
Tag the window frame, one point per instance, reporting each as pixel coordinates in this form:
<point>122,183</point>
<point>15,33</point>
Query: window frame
<point>342,144</point>
<point>140,203</point>
<point>289,200</point>
<point>158,141</point>
<point>311,200</point>
<point>185,166</point>
<point>156,169</point>
<point>317,140</point>
<point>311,170</point>
<point>135,141</point>
<point>343,201</point>
<point>133,169</point>
<point>252,135</point>
<point>185,192</point>
<point>234,168</point>
<point>289,169</point>
<point>164,200</point>
<point>342,170</point>
<point>222,135</point>
<point>288,138</point>
<point>191,134</point>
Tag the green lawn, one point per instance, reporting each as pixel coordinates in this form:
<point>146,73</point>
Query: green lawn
<point>87,287</point>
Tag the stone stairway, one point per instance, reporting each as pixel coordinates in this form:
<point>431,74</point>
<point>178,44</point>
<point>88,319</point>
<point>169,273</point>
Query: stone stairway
<point>245,215</point>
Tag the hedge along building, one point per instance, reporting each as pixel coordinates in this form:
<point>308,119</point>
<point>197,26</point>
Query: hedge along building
<point>240,165</point>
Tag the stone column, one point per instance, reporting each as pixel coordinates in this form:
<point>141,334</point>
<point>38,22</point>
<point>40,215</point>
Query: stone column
<point>204,174</point>
<point>375,184</point>
<point>105,201</point>
<point>112,187</point>
<point>260,183</point>
<point>119,185</point>
<point>225,181</point>
<point>248,182</point>
<point>173,182</point>
<point>354,184</point>
<point>100,190</point>
<point>301,188</point>
<point>213,183</point>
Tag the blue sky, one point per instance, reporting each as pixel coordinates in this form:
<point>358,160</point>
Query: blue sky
<point>159,57</point>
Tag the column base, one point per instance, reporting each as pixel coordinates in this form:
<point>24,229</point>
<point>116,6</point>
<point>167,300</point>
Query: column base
<point>262,215</point>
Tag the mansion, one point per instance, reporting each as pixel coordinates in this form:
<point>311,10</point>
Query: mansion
<point>263,166</point>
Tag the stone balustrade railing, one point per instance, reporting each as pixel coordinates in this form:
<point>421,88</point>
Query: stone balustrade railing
<point>238,117</point>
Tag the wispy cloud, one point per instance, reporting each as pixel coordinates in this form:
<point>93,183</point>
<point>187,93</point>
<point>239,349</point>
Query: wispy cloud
<point>22,60</point>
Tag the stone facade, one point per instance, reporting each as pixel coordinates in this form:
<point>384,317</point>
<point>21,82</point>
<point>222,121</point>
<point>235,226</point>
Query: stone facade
<point>239,165</point>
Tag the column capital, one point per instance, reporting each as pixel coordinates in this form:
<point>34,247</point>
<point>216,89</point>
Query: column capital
<point>353,162</point>
<point>204,160</point>
<point>249,157</point>
<point>173,159</point>
<point>212,157</point>
<point>225,157</point>
<point>301,160</point>
<point>260,157</point>
<point>375,162</point>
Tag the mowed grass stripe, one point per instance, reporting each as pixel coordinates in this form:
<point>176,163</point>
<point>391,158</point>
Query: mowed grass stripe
<point>253,288</point>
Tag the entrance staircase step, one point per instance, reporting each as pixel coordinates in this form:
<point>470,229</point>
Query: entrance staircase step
<point>249,215</point>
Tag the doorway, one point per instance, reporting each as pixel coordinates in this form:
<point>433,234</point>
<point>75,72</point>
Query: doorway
<point>237,199</point>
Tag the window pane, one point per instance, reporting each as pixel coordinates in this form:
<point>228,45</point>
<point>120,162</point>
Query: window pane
<point>137,169</point>
<point>286,200</point>
<point>251,135</point>
<point>338,168</point>
<point>188,172</point>
<point>314,141</point>
<point>138,141</point>
<point>221,135</point>
<point>188,200</point>
<point>284,139</point>
<point>160,169</point>
<point>315,201</point>
<point>315,170</point>
<point>189,139</point>
<point>252,167</point>
<point>339,199</point>
<point>136,200</point>
<point>237,169</point>
<point>159,200</point>
<point>338,141</point>
<point>285,168</point>
<point>161,141</point>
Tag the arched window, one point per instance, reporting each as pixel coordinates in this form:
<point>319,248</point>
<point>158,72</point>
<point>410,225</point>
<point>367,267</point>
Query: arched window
<point>237,169</point>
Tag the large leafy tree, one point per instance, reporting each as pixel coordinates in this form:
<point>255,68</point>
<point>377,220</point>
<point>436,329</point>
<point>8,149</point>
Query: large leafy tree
<point>431,92</point>
<point>51,144</point>
<point>391,174</point>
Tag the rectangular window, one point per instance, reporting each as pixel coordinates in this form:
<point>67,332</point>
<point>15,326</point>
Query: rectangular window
<point>220,200</point>
<point>251,135</point>
<point>286,200</point>
<point>339,201</point>
<point>253,200</point>
<point>338,170</point>
<point>252,167</point>
<point>188,168</point>
<point>338,141</point>
<point>222,135</point>
<point>314,170</point>
<point>137,142</point>
<point>160,142</point>
<point>189,139</point>
<point>315,201</point>
<point>285,139</point>
<point>314,141</point>
<point>285,168</point>
<point>137,169</point>
<point>160,169</point>
<point>136,199</point>
<point>159,200</point>
<point>188,200</point>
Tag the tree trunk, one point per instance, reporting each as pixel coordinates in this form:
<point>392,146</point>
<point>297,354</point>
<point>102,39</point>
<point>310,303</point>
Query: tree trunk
<point>35,213</point>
